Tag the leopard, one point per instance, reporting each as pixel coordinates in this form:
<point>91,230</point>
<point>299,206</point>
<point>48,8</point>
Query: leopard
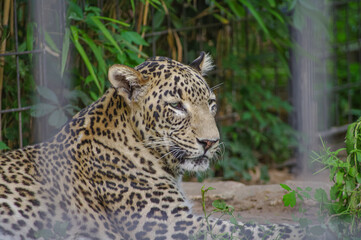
<point>114,170</point>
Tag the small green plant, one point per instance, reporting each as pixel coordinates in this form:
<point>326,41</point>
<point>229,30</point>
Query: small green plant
<point>320,196</point>
<point>220,206</point>
<point>340,210</point>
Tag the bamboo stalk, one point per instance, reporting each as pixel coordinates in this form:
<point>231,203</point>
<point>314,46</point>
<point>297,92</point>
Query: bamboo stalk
<point>2,50</point>
<point>179,46</point>
<point>139,22</point>
<point>145,17</point>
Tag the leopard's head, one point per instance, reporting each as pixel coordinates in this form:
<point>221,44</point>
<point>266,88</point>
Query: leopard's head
<point>172,109</point>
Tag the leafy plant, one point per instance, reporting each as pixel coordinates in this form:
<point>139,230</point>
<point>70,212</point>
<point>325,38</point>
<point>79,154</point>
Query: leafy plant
<point>100,42</point>
<point>257,133</point>
<point>220,206</point>
<point>340,210</point>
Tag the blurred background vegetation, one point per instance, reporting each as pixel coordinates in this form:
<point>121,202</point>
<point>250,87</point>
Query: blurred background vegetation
<point>55,55</point>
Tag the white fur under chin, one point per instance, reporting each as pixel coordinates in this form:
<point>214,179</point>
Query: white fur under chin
<point>207,65</point>
<point>191,167</point>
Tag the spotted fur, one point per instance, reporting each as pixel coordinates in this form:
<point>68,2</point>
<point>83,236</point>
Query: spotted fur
<point>114,170</point>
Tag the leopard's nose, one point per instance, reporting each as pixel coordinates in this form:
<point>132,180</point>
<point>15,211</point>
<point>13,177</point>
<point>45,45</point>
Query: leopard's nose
<point>207,143</point>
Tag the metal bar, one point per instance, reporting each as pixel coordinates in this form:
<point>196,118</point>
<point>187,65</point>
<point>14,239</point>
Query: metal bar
<point>21,53</point>
<point>154,47</point>
<point>333,131</point>
<point>18,77</point>
<point>349,94</point>
<point>346,86</point>
<point>359,36</point>
<point>334,60</point>
<point>246,46</point>
<point>339,3</point>
<point>15,110</point>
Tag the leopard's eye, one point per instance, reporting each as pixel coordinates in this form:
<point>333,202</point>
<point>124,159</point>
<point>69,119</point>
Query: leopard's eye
<point>212,104</point>
<point>177,105</point>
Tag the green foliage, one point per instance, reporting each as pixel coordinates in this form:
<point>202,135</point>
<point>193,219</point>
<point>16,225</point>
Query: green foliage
<point>100,42</point>
<point>222,207</point>
<point>258,132</point>
<point>253,114</point>
<point>251,50</point>
<point>347,64</point>
<point>340,209</point>
<point>96,38</point>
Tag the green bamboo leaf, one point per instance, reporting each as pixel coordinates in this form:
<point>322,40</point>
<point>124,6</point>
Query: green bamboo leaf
<point>135,49</point>
<point>133,37</point>
<point>113,20</point>
<point>236,8</point>
<point>155,3</point>
<point>74,11</point>
<point>83,55</point>
<point>222,9</point>
<point>93,95</point>
<point>133,5</point>
<point>106,33</point>
<point>65,50</point>
<point>255,15</point>
<point>29,37</point>
<point>97,52</point>
<point>277,15</point>
<point>50,42</point>
<point>220,18</point>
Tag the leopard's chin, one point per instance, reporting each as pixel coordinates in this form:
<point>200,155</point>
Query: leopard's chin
<point>197,164</point>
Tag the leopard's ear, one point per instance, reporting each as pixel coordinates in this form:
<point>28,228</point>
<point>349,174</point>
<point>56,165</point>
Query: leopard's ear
<point>203,63</point>
<point>128,82</point>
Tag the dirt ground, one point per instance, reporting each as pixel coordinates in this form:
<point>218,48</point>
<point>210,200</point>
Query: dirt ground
<point>259,203</point>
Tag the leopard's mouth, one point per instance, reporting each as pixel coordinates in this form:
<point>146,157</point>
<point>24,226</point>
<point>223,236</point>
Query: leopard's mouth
<point>183,156</point>
<point>188,163</point>
<point>198,160</point>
